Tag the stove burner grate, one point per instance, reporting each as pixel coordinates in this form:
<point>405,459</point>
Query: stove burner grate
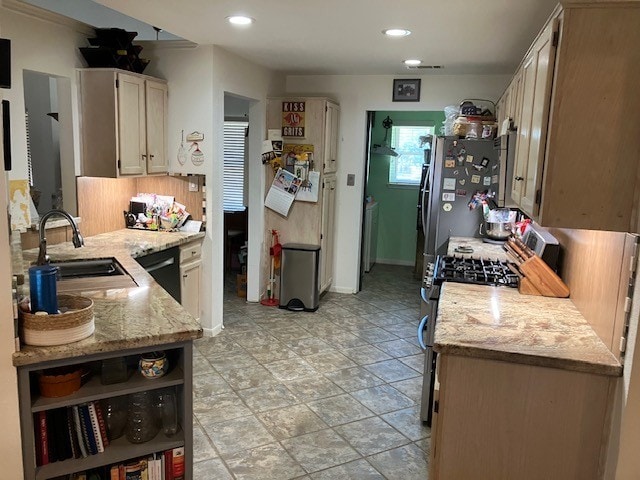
<point>480,271</point>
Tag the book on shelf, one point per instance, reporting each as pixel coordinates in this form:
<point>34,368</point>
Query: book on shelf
<point>178,463</point>
<point>78,430</point>
<point>168,465</point>
<point>42,441</point>
<point>102,424</point>
<point>87,429</point>
<point>95,426</point>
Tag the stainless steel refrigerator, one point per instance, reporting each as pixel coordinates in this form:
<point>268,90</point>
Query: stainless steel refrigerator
<point>459,169</point>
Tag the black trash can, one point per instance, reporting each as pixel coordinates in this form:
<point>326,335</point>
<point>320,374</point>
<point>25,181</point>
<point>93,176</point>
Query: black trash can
<point>299,283</point>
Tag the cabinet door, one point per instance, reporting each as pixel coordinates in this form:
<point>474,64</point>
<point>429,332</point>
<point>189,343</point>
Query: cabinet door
<point>190,288</point>
<point>332,118</point>
<point>326,239</point>
<point>537,74</point>
<point>156,118</point>
<point>131,125</point>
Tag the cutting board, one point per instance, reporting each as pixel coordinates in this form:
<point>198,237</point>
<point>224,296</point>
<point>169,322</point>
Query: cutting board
<point>537,277</point>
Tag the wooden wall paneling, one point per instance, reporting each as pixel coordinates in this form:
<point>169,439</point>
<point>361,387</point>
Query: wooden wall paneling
<point>178,187</point>
<point>101,202</point>
<point>501,421</point>
<point>592,267</point>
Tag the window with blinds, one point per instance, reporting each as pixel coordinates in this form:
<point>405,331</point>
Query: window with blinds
<point>234,144</point>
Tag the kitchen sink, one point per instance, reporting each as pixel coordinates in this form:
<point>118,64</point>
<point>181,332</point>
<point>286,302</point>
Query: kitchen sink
<point>101,267</point>
<point>92,274</point>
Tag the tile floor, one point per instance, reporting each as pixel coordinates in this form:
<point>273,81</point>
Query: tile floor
<point>327,395</point>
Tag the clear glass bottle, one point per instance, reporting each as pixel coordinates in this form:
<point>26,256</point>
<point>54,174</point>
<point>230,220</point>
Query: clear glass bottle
<point>114,410</point>
<point>169,412</point>
<point>142,424</point>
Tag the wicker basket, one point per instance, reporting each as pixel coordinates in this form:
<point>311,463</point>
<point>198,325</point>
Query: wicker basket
<point>74,324</point>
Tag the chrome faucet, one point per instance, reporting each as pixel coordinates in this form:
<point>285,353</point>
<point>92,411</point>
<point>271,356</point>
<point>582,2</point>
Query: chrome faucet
<point>78,241</point>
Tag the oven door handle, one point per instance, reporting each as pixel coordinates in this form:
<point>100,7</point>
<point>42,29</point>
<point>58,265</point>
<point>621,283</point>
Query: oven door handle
<point>421,327</point>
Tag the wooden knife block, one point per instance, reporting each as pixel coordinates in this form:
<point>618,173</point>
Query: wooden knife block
<point>537,277</point>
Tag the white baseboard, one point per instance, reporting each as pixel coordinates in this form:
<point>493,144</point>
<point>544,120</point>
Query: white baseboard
<point>337,289</point>
<point>212,332</point>
<point>393,261</point>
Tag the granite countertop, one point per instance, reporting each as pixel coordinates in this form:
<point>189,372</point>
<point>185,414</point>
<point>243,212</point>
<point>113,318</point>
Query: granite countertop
<point>501,324</point>
<point>492,251</point>
<point>127,317</point>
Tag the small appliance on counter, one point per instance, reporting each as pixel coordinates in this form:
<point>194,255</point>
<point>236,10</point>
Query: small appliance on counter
<point>543,244</point>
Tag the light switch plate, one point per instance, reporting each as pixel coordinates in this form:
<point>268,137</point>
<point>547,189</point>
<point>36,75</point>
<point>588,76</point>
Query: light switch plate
<point>351,179</point>
<point>193,186</point>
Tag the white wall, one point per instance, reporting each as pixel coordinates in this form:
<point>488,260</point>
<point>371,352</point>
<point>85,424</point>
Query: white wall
<point>357,94</point>
<point>47,47</point>
<point>198,79</point>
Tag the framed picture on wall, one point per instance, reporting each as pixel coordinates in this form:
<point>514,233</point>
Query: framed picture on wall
<point>406,90</point>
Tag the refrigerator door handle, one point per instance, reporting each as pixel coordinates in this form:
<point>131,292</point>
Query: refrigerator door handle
<point>424,200</point>
<point>421,327</point>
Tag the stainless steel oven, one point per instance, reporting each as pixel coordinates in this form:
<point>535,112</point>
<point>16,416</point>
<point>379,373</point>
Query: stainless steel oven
<point>478,271</point>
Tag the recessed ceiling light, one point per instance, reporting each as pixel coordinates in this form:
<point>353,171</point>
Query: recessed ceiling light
<point>396,32</point>
<point>240,20</point>
<point>412,62</point>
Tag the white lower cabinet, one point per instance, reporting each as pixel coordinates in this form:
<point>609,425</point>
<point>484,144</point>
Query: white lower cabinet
<point>191,277</point>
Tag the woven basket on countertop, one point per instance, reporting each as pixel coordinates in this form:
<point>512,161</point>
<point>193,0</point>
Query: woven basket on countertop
<point>74,324</point>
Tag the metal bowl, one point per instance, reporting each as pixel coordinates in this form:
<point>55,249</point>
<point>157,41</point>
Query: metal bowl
<point>497,230</point>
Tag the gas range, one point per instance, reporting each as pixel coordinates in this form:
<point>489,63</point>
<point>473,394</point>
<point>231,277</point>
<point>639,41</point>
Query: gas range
<point>479,271</point>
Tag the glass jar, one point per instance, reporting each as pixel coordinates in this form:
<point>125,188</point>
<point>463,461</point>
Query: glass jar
<point>114,410</point>
<point>142,423</point>
<point>168,407</point>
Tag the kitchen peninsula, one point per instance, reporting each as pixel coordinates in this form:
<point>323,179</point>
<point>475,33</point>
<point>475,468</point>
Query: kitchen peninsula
<point>128,322</point>
<point>524,386</point>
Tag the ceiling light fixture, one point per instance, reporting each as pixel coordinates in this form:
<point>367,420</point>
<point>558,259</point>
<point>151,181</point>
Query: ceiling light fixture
<point>240,20</point>
<point>412,61</point>
<point>396,32</point>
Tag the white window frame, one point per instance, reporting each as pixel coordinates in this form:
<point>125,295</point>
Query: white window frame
<point>429,129</point>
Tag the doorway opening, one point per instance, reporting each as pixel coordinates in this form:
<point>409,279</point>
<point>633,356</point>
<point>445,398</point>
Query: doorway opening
<point>235,194</point>
<point>397,147</point>
<point>50,160</point>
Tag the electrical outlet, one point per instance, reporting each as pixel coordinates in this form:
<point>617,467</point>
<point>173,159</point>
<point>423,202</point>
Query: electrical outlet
<point>351,179</point>
<point>193,186</point>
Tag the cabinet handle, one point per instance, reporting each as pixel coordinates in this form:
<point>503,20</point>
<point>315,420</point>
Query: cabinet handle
<point>518,179</point>
<point>144,156</point>
<point>151,156</point>
<point>185,275</point>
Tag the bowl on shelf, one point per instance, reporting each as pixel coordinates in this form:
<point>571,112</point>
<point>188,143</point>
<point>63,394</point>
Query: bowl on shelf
<point>153,364</point>
<point>60,382</point>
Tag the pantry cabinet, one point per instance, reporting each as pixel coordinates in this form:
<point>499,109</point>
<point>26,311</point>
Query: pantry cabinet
<point>331,125</point>
<point>120,450</point>
<point>309,222</point>
<point>123,123</point>
<point>577,154</point>
<point>191,277</point>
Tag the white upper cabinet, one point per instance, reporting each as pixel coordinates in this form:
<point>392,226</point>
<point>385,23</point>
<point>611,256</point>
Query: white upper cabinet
<point>123,123</point>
